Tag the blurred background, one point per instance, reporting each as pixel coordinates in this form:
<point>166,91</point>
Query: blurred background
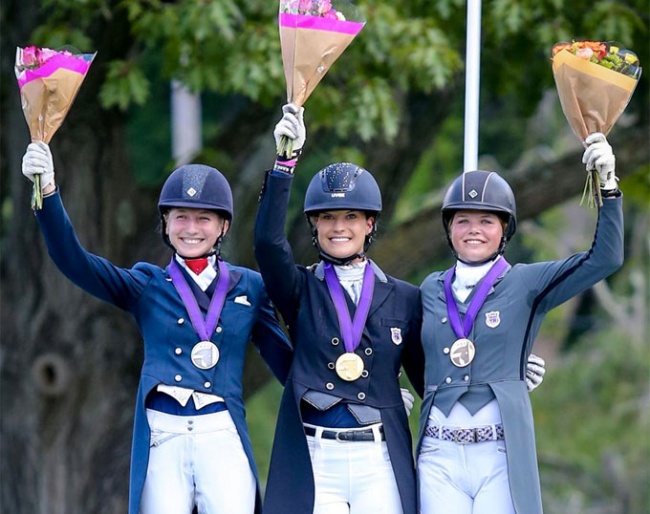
<point>202,81</point>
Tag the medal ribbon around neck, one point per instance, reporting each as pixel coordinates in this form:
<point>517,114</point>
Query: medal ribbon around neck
<point>464,327</point>
<point>202,327</point>
<point>351,330</point>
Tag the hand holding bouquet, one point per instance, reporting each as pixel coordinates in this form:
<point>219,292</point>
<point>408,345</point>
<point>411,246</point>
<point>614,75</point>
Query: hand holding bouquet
<point>313,34</point>
<point>595,82</point>
<point>48,81</point>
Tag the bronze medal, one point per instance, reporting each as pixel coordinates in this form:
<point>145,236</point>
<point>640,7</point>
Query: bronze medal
<point>462,352</point>
<point>205,355</point>
<point>349,366</point>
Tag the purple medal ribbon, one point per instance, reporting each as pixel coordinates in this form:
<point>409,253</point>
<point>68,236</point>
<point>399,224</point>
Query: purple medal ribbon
<point>464,327</point>
<point>203,327</point>
<point>351,331</point>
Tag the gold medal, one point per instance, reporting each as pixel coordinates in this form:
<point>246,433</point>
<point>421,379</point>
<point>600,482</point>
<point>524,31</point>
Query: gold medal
<point>349,366</point>
<point>462,352</point>
<point>205,355</point>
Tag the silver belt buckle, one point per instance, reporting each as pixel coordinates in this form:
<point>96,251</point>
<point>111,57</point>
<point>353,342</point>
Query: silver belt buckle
<point>460,431</point>
<point>339,439</point>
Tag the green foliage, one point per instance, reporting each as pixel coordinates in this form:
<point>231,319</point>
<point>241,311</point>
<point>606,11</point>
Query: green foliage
<point>637,187</point>
<point>592,422</point>
<point>58,37</point>
<point>126,85</point>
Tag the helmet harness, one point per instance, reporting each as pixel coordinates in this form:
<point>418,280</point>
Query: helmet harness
<point>196,186</point>
<point>480,191</point>
<point>343,186</point>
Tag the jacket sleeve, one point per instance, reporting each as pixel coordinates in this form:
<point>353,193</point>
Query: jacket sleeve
<point>274,256</point>
<point>556,282</point>
<point>271,341</point>
<point>92,273</point>
<point>413,356</point>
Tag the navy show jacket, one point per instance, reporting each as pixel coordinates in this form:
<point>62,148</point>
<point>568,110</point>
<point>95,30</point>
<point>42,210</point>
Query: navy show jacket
<point>147,293</point>
<point>302,297</point>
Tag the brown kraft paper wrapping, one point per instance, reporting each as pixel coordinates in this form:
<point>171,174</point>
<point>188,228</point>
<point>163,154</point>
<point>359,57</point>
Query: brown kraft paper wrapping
<point>307,55</point>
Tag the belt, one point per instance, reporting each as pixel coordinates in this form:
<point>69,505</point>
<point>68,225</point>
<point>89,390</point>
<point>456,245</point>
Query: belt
<point>466,435</point>
<point>347,435</point>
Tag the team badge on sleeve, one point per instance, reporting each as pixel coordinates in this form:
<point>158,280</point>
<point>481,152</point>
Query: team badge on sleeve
<point>396,335</point>
<point>493,319</point>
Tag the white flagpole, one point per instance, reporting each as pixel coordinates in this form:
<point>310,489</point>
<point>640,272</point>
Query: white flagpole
<point>186,123</point>
<point>472,84</point>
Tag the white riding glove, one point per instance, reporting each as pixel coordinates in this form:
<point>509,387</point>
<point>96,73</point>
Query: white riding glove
<point>38,161</point>
<point>535,370</point>
<point>292,125</point>
<point>600,157</point>
<point>408,400</point>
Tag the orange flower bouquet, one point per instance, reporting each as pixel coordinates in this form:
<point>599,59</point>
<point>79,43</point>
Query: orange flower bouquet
<point>595,82</point>
<point>313,34</point>
<point>48,81</point>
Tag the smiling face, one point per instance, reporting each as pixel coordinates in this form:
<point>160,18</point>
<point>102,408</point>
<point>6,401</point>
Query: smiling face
<point>475,235</point>
<point>342,233</point>
<point>194,232</point>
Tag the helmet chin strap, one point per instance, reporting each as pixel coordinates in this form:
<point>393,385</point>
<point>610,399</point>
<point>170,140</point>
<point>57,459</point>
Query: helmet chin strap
<point>502,248</point>
<point>340,262</point>
<point>216,249</point>
<point>330,258</point>
<point>343,260</point>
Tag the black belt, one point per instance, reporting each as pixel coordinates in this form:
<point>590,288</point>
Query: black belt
<point>346,435</point>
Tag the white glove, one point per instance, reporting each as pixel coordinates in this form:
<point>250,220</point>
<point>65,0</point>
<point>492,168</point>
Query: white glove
<point>38,161</point>
<point>535,370</point>
<point>292,125</point>
<point>408,400</point>
<point>600,157</point>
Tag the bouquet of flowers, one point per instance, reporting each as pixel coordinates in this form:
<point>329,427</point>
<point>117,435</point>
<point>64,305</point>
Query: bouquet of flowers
<point>313,34</point>
<point>48,81</point>
<point>595,81</point>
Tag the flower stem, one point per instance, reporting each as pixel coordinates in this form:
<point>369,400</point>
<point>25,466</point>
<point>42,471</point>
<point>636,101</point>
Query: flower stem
<point>37,194</point>
<point>285,147</point>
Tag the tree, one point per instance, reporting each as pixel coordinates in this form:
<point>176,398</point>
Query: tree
<point>70,364</point>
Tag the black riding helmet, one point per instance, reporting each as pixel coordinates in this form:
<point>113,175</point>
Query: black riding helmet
<point>481,191</point>
<point>343,186</point>
<point>196,186</point>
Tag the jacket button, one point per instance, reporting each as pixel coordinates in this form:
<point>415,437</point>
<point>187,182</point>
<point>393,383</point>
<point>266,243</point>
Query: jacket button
<point>180,321</point>
<point>218,330</point>
<point>207,385</point>
<point>448,380</point>
<point>443,320</point>
<point>331,365</point>
<point>178,351</point>
<point>335,341</point>
<point>445,351</point>
<point>368,351</point>
<point>329,386</point>
<point>178,378</point>
<point>364,373</point>
<point>361,396</point>
<point>466,378</point>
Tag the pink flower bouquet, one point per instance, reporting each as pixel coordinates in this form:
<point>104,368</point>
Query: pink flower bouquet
<point>595,82</point>
<point>48,81</point>
<point>313,34</point>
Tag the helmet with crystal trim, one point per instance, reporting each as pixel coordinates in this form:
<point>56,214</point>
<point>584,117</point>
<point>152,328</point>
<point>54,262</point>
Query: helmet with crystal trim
<point>343,186</point>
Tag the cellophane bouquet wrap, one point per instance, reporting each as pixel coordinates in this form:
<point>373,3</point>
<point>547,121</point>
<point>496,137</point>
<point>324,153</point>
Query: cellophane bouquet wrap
<point>595,81</point>
<point>313,34</point>
<point>48,81</point>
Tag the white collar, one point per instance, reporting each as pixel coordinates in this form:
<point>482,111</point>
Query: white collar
<point>467,277</point>
<point>205,278</point>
